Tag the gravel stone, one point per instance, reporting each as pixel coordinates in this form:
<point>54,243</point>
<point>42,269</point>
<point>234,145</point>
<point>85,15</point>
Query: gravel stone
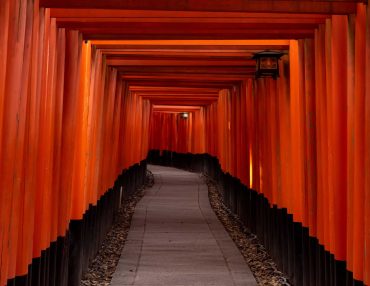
<point>102,267</point>
<point>260,262</point>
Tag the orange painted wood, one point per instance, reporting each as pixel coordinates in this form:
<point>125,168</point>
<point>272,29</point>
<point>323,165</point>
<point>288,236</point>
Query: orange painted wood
<point>350,134</point>
<point>367,157</point>
<point>367,154</point>
<point>186,62</point>
<point>338,147</point>
<point>274,141</point>
<point>42,223</point>
<point>296,136</point>
<point>9,167</point>
<point>310,138</point>
<point>249,117</point>
<point>80,17</point>
<point>97,85</point>
<point>279,6</point>
<point>327,197</point>
<point>320,90</point>
<point>79,199</point>
<point>72,64</point>
<point>359,145</point>
<point>18,178</point>
<point>59,92</point>
<point>4,24</point>
<point>32,139</point>
<point>115,13</point>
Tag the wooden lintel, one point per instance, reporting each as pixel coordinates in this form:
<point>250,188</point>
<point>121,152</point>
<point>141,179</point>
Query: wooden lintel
<point>276,6</point>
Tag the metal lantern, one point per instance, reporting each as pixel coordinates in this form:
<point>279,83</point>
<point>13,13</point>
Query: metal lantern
<point>267,64</point>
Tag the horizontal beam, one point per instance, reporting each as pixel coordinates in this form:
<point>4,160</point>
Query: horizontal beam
<point>179,99</point>
<point>173,57</point>
<point>70,22</point>
<point>175,108</point>
<point>172,89</point>
<point>186,62</point>
<point>275,6</point>
<point>188,71</point>
<point>168,107</point>
<point>117,33</point>
<point>178,92</point>
<point>182,54</point>
<point>196,27</point>
<point>175,95</point>
<point>199,78</point>
<point>181,84</point>
<point>176,15</point>
<point>193,30</point>
<point>182,102</point>
<point>198,43</point>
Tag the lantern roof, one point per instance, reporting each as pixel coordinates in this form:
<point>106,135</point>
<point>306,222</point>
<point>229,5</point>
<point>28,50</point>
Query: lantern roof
<point>268,53</point>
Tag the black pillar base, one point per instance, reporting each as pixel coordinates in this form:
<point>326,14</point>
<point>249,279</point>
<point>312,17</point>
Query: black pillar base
<point>67,258</point>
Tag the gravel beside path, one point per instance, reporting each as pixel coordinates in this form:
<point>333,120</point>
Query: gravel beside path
<point>101,269</point>
<point>261,264</point>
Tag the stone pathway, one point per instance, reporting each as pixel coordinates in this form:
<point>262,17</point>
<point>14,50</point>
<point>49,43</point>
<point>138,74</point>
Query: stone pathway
<point>176,239</point>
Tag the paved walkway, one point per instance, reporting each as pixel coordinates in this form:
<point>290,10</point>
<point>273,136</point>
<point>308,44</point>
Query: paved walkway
<point>176,239</point>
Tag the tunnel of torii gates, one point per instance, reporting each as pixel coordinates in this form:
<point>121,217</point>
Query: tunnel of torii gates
<point>87,88</point>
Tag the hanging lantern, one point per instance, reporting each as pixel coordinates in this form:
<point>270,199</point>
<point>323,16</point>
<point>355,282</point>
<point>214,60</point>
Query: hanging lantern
<point>267,64</point>
<point>184,115</point>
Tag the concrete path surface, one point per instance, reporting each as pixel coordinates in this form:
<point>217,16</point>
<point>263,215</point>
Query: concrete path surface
<point>176,239</point>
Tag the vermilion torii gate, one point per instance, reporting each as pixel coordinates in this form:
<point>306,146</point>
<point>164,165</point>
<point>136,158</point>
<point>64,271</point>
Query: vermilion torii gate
<point>87,88</point>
